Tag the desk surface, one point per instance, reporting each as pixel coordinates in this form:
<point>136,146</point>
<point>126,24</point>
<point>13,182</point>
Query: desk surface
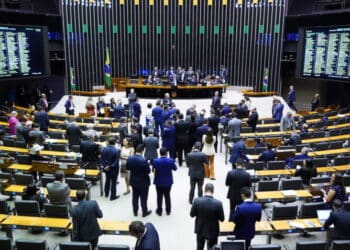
<point>42,152</point>
<point>117,227</point>
<point>329,152</point>
<point>262,173</point>
<point>21,167</point>
<point>285,225</point>
<point>326,139</point>
<point>29,221</point>
<point>280,194</point>
<point>260,227</point>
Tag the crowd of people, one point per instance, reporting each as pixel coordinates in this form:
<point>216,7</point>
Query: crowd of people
<point>170,138</point>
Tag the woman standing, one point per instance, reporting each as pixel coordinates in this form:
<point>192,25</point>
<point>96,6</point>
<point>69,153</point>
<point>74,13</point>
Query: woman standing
<point>126,151</point>
<point>208,141</point>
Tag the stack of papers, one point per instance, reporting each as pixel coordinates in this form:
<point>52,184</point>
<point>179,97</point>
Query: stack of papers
<point>289,193</point>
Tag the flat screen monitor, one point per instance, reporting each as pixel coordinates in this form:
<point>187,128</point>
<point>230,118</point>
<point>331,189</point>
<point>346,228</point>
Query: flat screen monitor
<point>324,53</point>
<point>23,51</point>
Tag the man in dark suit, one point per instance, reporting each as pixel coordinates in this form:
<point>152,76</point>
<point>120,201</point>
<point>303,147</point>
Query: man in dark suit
<point>163,180</point>
<point>277,111</point>
<point>245,216</point>
<point>213,122</point>
<point>292,98</point>
<point>84,217</point>
<point>294,140</point>
<point>58,191</point>
<point>215,101</point>
<point>90,151</point>
<point>181,138</point>
<point>223,73</point>
<point>341,220</point>
<point>69,105</point>
<point>208,212</point>
<point>136,138</point>
<point>73,133</point>
<point>123,129</point>
<point>268,154</point>
<point>235,180</point>
<point>110,162</point>
<point>146,235</point>
<point>151,144</point>
<point>195,161</point>
<point>192,127</point>
<point>132,97</point>
<point>157,116</point>
<point>202,130</point>
<point>168,137</point>
<point>253,119</point>
<point>238,152</point>
<point>41,118</point>
<point>139,180</point>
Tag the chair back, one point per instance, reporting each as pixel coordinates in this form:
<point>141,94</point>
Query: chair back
<point>265,247</point>
<point>340,245</point>
<point>322,179</point>
<point>273,165</point>
<point>76,183</point>
<point>309,210</point>
<point>284,212</point>
<point>20,144</point>
<point>232,245</point>
<point>56,211</point>
<point>320,162</point>
<point>311,245</point>
<point>113,247</point>
<point>4,207</point>
<point>27,208</point>
<point>293,183</point>
<point>6,176</point>
<point>344,160</point>
<point>46,179</point>
<point>268,185</point>
<point>5,244</point>
<point>23,159</point>
<point>75,245</point>
<point>23,179</point>
<point>31,244</point>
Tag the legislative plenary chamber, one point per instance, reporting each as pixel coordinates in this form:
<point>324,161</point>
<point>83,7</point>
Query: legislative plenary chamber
<point>175,124</point>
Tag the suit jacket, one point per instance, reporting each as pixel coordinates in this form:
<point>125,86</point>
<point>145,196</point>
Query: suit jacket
<point>244,217</point>
<point>36,136</point>
<point>277,112</point>
<point>139,171</point>
<point>195,161</point>
<point>234,127</point>
<point>150,241</point>
<point>168,137</point>
<point>73,134</point>
<point>151,145</point>
<point>181,131</point>
<point>42,119</point>
<point>84,217</point>
<point>68,105</point>
<point>123,131</point>
<point>267,155</point>
<point>291,96</point>
<point>341,221</point>
<point>132,97</point>
<point>58,192</point>
<point>157,114</point>
<point>136,139</point>
<point>238,151</point>
<point>208,212</point>
<point>200,131</point>
<point>213,122</point>
<point>137,109</point>
<point>235,180</point>
<point>43,104</point>
<point>215,102</point>
<point>287,123</point>
<point>89,151</point>
<point>163,176</point>
<point>253,120</point>
<point>110,157</point>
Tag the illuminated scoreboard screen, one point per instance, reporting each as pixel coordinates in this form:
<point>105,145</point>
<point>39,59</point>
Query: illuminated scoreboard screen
<point>23,52</point>
<point>326,53</point>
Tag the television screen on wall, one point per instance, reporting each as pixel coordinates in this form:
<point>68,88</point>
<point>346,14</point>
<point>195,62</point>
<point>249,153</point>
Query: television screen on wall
<point>23,52</point>
<point>325,53</point>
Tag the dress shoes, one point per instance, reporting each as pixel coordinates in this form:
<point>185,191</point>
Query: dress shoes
<point>147,213</point>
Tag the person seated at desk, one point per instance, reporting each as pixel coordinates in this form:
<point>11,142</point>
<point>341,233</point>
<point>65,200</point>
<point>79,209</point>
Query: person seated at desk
<point>32,193</point>
<point>294,140</point>
<point>192,80</point>
<point>100,107</point>
<point>149,80</point>
<point>268,154</point>
<point>302,156</point>
<point>306,172</point>
<point>36,136</point>
<point>180,75</point>
<point>34,155</point>
<point>341,220</point>
<point>90,107</point>
<point>217,80</point>
<point>58,191</point>
<point>259,143</point>
<point>336,190</point>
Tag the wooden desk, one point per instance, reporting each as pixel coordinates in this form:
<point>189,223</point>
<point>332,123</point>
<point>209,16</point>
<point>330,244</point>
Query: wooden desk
<point>51,167</point>
<point>271,173</point>
<point>326,139</point>
<point>269,196</point>
<point>344,125</point>
<point>114,227</point>
<point>251,93</point>
<point>24,222</point>
<point>329,152</point>
<point>101,125</point>
<point>261,227</point>
<point>42,152</point>
<point>93,173</point>
<point>341,168</point>
<point>20,189</point>
<point>285,226</point>
<point>21,167</point>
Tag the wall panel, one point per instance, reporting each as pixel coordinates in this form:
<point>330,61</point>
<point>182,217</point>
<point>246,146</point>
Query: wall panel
<point>246,38</point>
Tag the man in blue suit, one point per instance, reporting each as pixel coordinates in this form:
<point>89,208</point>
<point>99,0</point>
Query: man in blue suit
<point>268,154</point>
<point>146,235</point>
<point>238,151</point>
<point>41,118</point>
<point>69,105</point>
<point>245,216</point>
<point>202,130</point>
<point>216,101</point>
<point>139,180</point>
<point>168,137</point>
<point>292,98</point>
<point>157,116</point>
<point>110,162</point>
<point>163,180</point>
<point>277,111</point>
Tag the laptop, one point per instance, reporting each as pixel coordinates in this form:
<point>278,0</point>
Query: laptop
<point>323,215</point>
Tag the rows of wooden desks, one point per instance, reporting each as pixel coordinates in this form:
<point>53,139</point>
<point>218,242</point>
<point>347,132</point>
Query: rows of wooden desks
<point>282,195</point>
<point>42,152</point>
<point>10,222</point>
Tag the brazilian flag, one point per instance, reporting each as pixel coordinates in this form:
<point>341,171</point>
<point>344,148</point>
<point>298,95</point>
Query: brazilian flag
<point>266,80</point>
<point>73,85</point>
<point>107,70</point>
